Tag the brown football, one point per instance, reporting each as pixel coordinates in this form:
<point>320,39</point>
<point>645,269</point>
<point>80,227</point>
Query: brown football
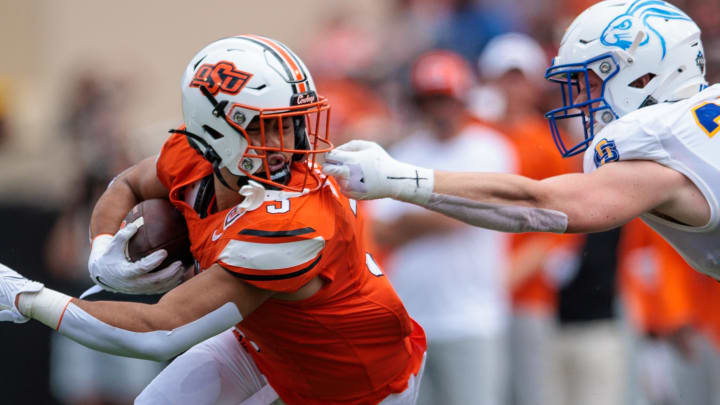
<point>163,227</point>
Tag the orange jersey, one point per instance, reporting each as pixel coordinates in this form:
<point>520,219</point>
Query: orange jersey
<point>350,343</point>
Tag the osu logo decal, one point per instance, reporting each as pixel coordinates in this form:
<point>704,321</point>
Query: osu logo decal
<point>221,76</point>
<point>605,151</point>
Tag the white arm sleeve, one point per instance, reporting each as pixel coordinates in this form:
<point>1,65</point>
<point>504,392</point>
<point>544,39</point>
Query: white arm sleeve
<point>55,310</point>
<point>159,345</point>
<point>504,218</point>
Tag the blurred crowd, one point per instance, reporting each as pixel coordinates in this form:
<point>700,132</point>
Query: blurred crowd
<point>610,318</point>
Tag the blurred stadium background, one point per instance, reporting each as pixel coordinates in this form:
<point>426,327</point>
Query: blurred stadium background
<point>89,87</point>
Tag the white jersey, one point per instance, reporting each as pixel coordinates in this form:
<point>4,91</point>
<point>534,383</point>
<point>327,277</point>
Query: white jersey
<point>684,136</point>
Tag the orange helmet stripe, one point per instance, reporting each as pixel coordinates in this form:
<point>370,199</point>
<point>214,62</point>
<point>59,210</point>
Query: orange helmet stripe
<point>288,59</point>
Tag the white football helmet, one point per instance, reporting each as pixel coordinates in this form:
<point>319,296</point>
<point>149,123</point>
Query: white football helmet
<point>622,41</point>
<point>235,80</point>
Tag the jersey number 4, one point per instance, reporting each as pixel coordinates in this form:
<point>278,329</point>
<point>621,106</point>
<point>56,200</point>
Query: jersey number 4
<point>707,117</point>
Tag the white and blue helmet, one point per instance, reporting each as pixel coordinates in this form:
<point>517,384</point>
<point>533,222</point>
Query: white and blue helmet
<point>622,41</point>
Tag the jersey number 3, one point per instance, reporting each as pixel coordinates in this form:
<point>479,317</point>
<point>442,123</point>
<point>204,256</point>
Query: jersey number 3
<point>707,117</point>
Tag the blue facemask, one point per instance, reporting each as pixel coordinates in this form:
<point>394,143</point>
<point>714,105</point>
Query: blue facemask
<point>569,76</point>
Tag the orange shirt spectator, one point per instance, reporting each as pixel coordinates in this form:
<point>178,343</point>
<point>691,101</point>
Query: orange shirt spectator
<point>538,158</point>
<point>656,284</point>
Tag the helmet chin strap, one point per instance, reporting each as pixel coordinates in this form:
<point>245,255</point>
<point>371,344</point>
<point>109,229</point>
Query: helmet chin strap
<point>209,153</point>
<point>218,107</point>
<point>214,158</point>
<point>211,156</point>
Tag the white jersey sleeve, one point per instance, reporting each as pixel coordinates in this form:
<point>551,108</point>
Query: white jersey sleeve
<point>684,136</point>
<point>624,139</point>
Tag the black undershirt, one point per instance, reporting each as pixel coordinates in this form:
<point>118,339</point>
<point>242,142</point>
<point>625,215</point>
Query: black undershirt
<point>591,294</point>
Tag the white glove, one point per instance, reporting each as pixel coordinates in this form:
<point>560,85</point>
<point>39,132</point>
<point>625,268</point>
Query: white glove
<point>366,172</point>
<point>112,270</point>
<point>12,284</point>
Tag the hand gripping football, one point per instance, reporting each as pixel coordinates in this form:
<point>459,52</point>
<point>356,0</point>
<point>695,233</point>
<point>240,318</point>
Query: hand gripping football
<point>161,226</point>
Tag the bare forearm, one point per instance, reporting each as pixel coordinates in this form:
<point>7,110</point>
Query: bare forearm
<point>131,316</point>
<point>501,202</point>
<point>565,193</point>
<point>180,306</point>
<point>601,200</point>
<point>499,188</point>
<point>138,183</point>
<point>112,207</point>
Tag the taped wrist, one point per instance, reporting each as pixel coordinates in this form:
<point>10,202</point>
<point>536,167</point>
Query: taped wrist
<point>46,306</point>
<point>412,184</point>
<point>498,217</point>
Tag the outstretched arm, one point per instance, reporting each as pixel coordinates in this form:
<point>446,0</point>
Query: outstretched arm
<point>604,199</point>
<point>183,317</point>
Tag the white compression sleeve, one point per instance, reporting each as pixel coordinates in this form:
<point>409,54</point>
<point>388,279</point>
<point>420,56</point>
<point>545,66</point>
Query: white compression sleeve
<point>504,218</point>
<point>159,345</point>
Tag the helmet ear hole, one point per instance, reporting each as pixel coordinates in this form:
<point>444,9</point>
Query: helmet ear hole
<point>642,81</point>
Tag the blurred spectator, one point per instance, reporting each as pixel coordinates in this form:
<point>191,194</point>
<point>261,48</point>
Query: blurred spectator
<point>450,275</point>
<point>342,48</point>
<point>358,112</point>
<point>512,66</point>
<point>356,69</point>
<point>574,7</point>
<point>673,317</point>
<point>589,354</point>
<point>94,124</point>
<point>471,24</point>
<point>415,26</point>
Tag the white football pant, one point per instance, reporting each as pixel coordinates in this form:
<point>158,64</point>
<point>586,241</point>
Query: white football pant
<point>219,371</point>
